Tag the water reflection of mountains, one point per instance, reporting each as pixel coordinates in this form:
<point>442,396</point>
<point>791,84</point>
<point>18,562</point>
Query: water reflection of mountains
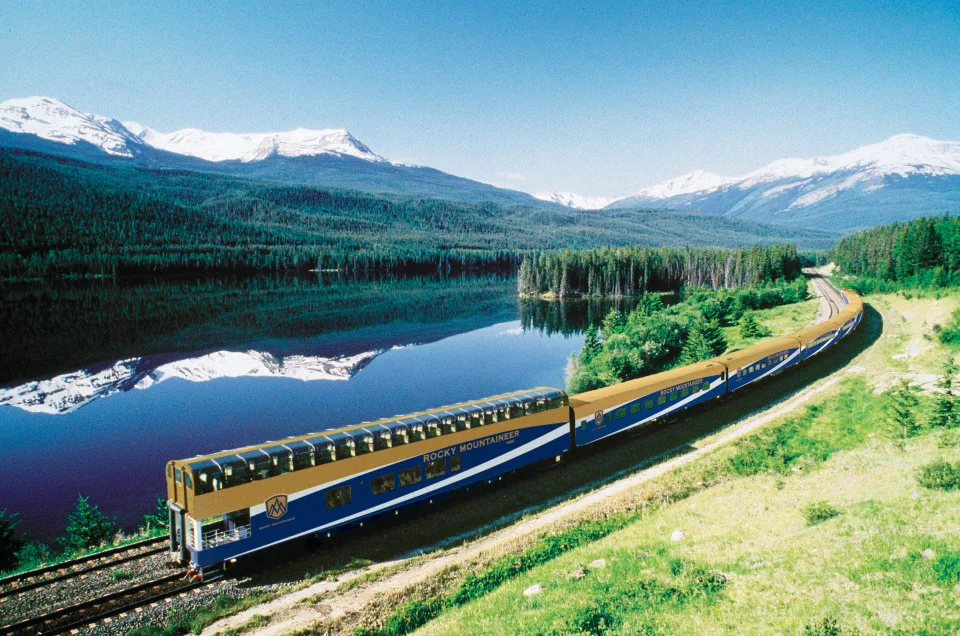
<point>198,330</point>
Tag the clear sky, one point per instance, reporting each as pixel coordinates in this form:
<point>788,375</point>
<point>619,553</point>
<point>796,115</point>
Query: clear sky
<point>595,98</point>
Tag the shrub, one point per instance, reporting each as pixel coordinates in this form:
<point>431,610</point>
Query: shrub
<point>947,568</point>
<point>819,512</point>
<point>121,575</point>
<point>10,542</point>
<point>826,626</point>
<point>949,334</point>
<point>940,475</point>
<point>87,526</point>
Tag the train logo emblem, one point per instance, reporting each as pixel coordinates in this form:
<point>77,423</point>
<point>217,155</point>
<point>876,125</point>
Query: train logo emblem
<point>276,506</point>
<point>598,417</point>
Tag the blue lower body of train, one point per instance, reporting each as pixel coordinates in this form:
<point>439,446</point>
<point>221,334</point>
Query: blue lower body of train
<point>440,472</point>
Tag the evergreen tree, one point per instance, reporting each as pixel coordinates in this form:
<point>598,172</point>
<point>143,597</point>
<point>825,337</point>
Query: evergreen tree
<point>696,348</point>
<point>87,527</point>
<point>945,408</point>
<point>900,410</point>
<point>10,542</point>
<point>713,335</point>
<point>591,344</point>
<point>750,328</point>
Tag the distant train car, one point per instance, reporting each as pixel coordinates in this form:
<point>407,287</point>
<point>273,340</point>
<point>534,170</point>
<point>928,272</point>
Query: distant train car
<point>235,502</point>
<point>759,361</point>
<point>614,409</point>
<point>820,336</point>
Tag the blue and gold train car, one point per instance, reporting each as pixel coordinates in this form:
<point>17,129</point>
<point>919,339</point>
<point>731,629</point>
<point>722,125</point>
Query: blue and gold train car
<point>614,409</point>
<point>235,502</point>
<point>759,361</point>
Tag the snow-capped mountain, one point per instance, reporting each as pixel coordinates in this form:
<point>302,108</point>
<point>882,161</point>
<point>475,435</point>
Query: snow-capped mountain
<point>52,120</point>
<point>329,157</point>
<point>70,391</point>
<point>576,201</point>
<point>900,178</point>
<point>254,146</point>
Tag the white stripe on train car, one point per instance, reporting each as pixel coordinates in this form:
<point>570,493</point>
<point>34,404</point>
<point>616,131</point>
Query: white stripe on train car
<point>557,433</point>
<point>773,370</point>
<point>667,411</point>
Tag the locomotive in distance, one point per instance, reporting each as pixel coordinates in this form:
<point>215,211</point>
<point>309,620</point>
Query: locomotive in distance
<point>226,505</point>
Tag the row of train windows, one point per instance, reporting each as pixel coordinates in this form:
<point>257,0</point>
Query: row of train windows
<point>660,400</point>
<point>336,497</point>
<point>760,366</point>
<point>361,442</point>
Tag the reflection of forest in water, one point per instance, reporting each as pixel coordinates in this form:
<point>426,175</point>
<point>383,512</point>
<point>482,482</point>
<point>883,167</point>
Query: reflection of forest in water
<point>61,326</point>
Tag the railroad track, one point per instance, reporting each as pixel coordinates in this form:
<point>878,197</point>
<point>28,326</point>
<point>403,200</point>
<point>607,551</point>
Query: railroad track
<point>20,583</point>
<point>104,608</point>
<point>830,293</point>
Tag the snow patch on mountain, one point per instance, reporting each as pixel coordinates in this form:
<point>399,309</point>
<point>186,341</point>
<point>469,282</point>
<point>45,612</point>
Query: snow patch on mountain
<point>696,181</point>
<point>246,147</point>
<point>577,201</point>
<point>51,119</point>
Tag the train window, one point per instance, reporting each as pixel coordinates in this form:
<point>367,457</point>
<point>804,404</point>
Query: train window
<point>187,481</point>
<point>750,370</point>
<point>346,448</point>
<point>382,484</point>
<point>433,429</point>
<point>490,416</point>
<point>436,468</point>
<point>684,392</point>
<point>661,400</point>
<point>463,422</point>
<point>673,396</point>
<point>647,405</point>
<point>400,435</point>
<point>516,409</point>
<point>410,476</point>
<point>338,497</point>
<point>634,408</point>
<point>705,386</point>
<point>555,402</point>
<point>607,418</point>
<point>327,453</point>
<point>723,375</point>
<point>621,413</point>
<point>170,471</point>
<point>179,476</point>
<point>541,405</point>
<point>364,444</point>
<point>384,440</point>
<point>454,463</point>
<point>418,432</point>
<point>448,425</point>
<point>695,388</point>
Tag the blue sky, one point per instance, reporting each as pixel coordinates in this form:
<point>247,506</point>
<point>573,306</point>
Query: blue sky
<point>596,98</point>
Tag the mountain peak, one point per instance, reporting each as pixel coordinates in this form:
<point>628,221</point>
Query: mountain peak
<point>53,120</point>
<point>576,201</point>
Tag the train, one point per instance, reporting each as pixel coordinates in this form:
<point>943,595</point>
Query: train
<point>226,505</point>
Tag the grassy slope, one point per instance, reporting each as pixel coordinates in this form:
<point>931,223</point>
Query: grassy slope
<point>861,571</point>
<point>778,320</point>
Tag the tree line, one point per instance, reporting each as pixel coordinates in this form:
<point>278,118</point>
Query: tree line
<point>924,252</point>
<point>629,271</point>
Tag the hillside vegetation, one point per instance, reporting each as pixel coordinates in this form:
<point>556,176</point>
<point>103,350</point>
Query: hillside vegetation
<point>65,216</point>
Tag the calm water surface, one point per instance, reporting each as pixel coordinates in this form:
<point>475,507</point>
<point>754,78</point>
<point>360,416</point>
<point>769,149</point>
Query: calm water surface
<point>107,383</point>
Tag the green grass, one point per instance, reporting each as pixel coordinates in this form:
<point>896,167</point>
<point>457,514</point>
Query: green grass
<point>777,320</point>
<point>755,518</point>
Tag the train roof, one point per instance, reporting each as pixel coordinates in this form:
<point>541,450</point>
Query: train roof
<point>754,352</point>
<point>602,398</point>
<point>308,440</point>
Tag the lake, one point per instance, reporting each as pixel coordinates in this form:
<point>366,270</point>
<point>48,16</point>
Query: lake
<point>104,382</point>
